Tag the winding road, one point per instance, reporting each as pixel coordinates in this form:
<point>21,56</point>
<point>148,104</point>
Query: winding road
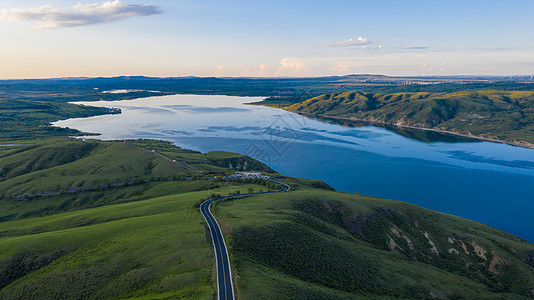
<point>225,287</point>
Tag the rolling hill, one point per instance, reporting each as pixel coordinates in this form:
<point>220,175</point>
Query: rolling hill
<point>120,220</point>
<point>318,244</point>
<point>500,115</point>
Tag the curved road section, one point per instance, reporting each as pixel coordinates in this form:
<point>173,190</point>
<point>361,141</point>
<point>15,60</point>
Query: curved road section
<point>225,287</point>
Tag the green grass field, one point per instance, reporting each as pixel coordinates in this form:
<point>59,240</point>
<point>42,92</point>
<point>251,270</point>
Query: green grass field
<point>154,248</point>
<point>312,243</point>
<point>142,238</point>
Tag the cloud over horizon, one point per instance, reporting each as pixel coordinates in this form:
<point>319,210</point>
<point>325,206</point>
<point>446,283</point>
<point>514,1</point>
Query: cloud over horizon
<point>291,67</point>
<point>360,41</point>
<point>415,47</point>
<point>261,70</point>
<point>49,17</point>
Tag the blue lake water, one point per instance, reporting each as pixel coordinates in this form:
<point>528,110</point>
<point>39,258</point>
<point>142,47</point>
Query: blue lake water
<point>487,182</point>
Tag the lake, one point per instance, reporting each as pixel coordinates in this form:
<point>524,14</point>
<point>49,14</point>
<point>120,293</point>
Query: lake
<point>487,182</point>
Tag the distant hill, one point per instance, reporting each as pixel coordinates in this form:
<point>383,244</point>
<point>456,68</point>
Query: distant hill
<point>500,115</point>
<point>279,90</point>
<point>24,119</point>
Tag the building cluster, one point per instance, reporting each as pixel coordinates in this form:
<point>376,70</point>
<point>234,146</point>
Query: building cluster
<point>113,110</point>
<point>246,175</point>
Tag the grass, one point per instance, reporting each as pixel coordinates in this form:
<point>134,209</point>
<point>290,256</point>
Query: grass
<point>502,115</point>
<point>79,174</point>
<point>118,251</point>
<point>336,245</point>
<point>140,249</point>
<point>71,164</point>
<point>23,119</point>
<point>146,240</point>
<point>213,162</point>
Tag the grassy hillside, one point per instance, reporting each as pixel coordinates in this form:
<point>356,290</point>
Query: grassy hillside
<point>120,220</point>
<point>502,115</point>
<point>108,220</point>
<point>321,244</point>
<point>20,119</point>
<point>83,173</point>
<point>155,249</point>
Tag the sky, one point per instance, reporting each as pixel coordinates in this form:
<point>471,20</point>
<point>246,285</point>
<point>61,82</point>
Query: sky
<point>44,39</point>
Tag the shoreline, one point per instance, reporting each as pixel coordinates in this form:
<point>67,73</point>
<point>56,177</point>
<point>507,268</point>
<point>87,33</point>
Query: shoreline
<point>486,139</point>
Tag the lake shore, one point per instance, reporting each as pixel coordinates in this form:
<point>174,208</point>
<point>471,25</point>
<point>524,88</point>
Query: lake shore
<point>371,122</point>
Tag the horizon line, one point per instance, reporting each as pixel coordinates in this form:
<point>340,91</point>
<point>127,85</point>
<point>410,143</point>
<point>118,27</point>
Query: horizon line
<point>267,77</point>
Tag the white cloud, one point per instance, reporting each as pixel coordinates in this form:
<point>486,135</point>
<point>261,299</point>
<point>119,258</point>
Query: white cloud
<point>219,71</point>
<point>340,69</point>
<point>415,47</point>
<point>424,67</point>
<point>360,41</point>
<point>372,47</point>
<point>291,67</point>
<point>260,71</point>
<point>493,49</point>
<point>49,17</point>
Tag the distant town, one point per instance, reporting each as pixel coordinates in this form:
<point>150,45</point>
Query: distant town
<point>113,110</point>
<point>246,175</point>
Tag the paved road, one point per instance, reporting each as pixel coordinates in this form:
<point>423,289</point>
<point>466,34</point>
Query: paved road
<point>225,287</point>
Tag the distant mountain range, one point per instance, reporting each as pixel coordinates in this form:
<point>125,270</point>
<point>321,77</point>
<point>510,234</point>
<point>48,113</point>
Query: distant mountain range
<point>354,78</point>
<point>282,91</point>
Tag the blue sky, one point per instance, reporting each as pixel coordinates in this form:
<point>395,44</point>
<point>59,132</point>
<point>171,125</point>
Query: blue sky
<point>265,38</point>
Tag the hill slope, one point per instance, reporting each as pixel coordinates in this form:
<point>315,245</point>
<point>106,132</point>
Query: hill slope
<point>60,174</point>
<point>110,220</point>
<point>328,245</point>
<point>22,119</point>
<point>501,115</point>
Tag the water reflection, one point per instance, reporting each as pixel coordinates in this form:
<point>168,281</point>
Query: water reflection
<point>483,181</point>
<point>426,136</point>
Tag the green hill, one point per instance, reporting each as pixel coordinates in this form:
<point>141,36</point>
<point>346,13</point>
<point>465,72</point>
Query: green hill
<point>501,115</point>
<point>23,119</point>
<point>63,173</point>
<point>107,220</point>
<point>317,244</point>
<point>120,220</point>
